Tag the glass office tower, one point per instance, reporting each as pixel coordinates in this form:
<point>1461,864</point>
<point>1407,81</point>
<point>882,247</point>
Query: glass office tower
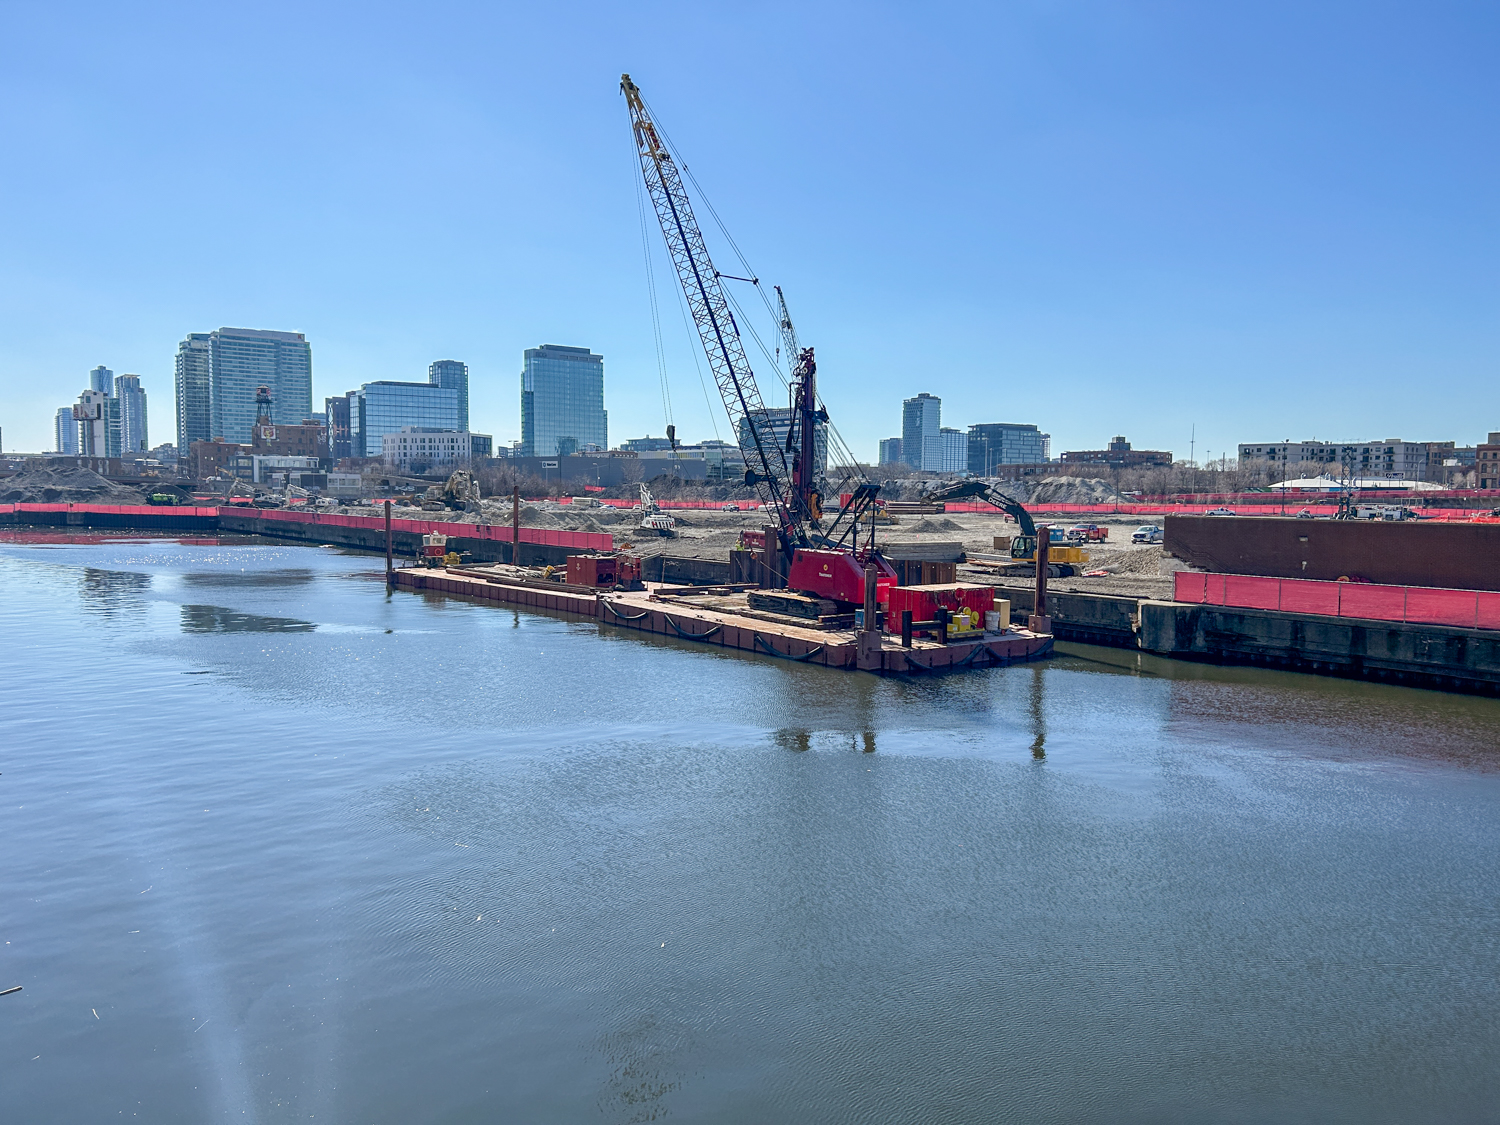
<point>65,432</point>
<point>102,379</point>
<point>337,411</point>
<point>921,432</point>
<point>562,401</point>
<point>1006,443</point>
<point>242,359</point>
<point>192,378</point>
<point>133,437</point>
<point>455,375</point>
<point>385,407</point>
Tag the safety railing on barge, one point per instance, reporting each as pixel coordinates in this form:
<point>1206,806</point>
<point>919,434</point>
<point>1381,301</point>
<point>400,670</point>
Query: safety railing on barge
<point>1417,605</point>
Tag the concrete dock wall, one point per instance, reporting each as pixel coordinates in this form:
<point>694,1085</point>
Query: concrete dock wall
<point>1422,655</point>
<point>1095,619</point>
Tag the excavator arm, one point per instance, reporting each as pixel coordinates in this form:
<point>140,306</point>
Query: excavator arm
<point>990,495</point>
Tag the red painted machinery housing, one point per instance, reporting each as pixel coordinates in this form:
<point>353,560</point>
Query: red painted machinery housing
<point>837,575</point>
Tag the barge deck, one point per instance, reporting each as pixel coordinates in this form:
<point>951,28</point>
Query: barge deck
<point>646,611</point>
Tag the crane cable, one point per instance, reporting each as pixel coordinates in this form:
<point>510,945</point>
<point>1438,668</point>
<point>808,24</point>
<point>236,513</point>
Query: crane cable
<point>847,461</point>
<point>661,355</point>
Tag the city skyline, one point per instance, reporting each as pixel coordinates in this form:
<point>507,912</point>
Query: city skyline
<point>1107,234</point>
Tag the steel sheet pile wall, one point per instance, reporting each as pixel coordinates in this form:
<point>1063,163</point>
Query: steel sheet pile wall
<point>548,537</point>
<point>1417,605</point>
<point>1456,556</point>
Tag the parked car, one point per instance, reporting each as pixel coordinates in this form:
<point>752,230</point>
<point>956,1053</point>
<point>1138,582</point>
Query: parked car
<point>1146,533</point>
<point>1220,512</point>
<point>729,507</point>
<point>1088,533</point>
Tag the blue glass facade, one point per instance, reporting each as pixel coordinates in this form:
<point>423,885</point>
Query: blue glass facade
<point>454,375</point>
<point>921,432</point>
<point>241,359</point>
<point>194,376</point>
<point>377,409</point>
<point>1006,443</point>
<point>562,401</point>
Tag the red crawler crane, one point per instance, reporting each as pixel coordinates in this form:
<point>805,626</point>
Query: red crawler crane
<point>815,565</point>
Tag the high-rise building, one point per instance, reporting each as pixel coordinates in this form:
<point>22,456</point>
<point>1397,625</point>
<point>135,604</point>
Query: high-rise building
<point>890,451</point>
<point>992,444</point>
<point>562,401</point>
<point>773,436</point>
<point>98,417</point>
<point>451,373</point>
<point>193,378</point>
<point>239,361</point>
<point>337,410</point>
<point>102,379</point>
<point>65,432</point>
<point>921,432</point>
<point>388,406</point>
<point>955,450</point>
<point>133,437</point>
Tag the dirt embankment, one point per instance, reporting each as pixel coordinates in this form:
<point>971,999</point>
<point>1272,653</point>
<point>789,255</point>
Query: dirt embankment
<point>65,484</point>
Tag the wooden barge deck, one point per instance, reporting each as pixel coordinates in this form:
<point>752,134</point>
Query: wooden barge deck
<point>647,611</point>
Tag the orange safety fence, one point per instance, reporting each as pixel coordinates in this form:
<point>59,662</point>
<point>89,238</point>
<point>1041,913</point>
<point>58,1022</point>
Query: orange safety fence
<point>1424,605</point>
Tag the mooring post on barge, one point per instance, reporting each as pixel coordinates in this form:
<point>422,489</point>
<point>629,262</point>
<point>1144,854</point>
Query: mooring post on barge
<point>1039,621</point>
<point>390,572</point>
<point>515,525</point>
<point>869,642</point>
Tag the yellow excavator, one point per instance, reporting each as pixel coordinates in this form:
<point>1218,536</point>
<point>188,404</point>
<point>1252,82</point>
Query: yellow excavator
<point>1023,546</point>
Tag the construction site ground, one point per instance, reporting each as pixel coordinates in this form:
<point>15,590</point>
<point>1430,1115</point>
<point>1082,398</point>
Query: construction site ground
<point>1135,570</point>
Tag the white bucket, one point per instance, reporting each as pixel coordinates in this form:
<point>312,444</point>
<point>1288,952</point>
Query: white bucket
<point>992,620</point>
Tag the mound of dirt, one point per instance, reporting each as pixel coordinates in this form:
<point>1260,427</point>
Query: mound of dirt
<point>941,523</point>
<point>64,484</point>
<point>1073,490</point>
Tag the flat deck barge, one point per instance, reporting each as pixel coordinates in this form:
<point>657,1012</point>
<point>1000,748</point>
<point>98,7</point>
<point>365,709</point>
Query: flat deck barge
<point>670,611</point>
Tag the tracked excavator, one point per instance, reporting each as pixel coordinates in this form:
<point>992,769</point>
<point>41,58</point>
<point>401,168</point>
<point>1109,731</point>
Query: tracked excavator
<point>811,570</point>
<point>1023,546</point>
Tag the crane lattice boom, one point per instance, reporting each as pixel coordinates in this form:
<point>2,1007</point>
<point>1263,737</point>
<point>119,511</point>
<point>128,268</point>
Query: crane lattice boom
<point>716,326</point>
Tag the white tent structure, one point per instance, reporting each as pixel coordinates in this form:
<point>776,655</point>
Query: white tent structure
<point>1359,484</point>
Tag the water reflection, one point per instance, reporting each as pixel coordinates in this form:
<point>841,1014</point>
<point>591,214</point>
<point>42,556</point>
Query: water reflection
<point>218,619</point>
<point>112,592</point>
<point>257,578</point>
<point>1036,705</point>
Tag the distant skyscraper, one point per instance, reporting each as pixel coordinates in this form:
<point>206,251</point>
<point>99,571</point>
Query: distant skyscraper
<point>65,431</point>
<point>194,376</point>
<point>921,432</point>
<point>451,373</point>
<point>238,361</point>
<point>133,438</point>
<point>779,419</point>
<point>102,379</point>
<point>98,416</point>
<point>890,450</point>
<point>387,407</point>
<point>339,431</point>
<point>562,401</point>
<point>955,451</point>
<point>1006,443</point>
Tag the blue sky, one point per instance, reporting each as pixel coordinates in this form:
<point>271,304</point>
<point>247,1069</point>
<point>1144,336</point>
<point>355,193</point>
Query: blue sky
<point>1266,220</point>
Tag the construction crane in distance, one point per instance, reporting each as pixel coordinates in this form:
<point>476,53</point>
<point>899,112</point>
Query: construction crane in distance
<point>806,416</point>
<point>832,573</point>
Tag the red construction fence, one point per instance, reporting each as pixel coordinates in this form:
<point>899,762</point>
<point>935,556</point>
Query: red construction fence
<point>582,540</point>
<point>1469,609</point>
<point>112,509</point>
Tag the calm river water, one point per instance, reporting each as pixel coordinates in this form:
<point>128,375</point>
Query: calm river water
<point>279,846</point>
